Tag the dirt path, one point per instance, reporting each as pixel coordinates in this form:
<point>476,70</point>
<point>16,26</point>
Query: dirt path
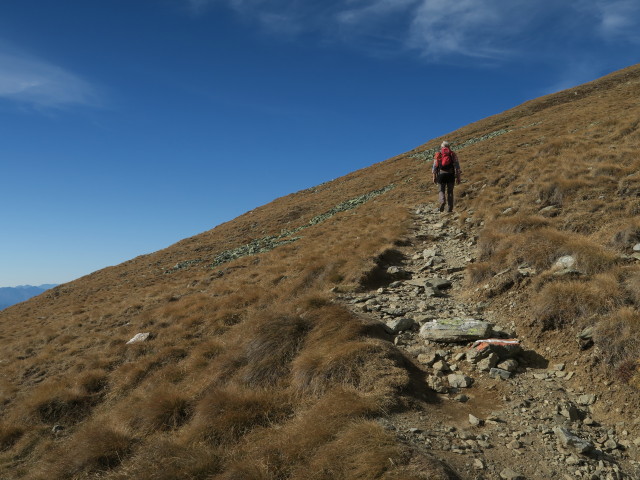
<point>536,424</point>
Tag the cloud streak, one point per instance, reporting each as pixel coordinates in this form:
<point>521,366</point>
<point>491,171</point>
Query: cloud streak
<point>38,83</point>
<point>443,30</point>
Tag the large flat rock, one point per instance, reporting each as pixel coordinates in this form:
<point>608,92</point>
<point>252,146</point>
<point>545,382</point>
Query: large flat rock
<point>455,330</point>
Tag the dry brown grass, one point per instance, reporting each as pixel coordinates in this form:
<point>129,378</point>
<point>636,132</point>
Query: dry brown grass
<point>618,337</point>
<point>563,302</point>
<point>96,448</point>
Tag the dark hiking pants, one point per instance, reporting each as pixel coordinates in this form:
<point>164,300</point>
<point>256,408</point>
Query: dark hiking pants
<point>447,181</point>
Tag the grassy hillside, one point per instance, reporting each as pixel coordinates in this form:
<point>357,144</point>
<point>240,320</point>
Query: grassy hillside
<point>252,371</point>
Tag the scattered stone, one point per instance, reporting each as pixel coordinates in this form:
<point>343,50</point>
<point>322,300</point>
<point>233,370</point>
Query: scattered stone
<point>587,399</point>
<point>475,421</point>
<point>139,337</point>
<point>564,263</point>
<point>401,324</point>
<point>459,381</point>
<point>441,366</point>
<point>428,358</point>
<point>487,363</point>
<point>455,330</point>
<point>436,383</point>
<point>514,445</point>
<point>585,338</point>
<point>397,272</point>
<point>510,365</point>
<point>499,373</point>
<point>508,474</point>
<point>462,398</point>
<point>569,410</point>
<point>568,439</point>
<point>636,247</point>
<point>478,464</point>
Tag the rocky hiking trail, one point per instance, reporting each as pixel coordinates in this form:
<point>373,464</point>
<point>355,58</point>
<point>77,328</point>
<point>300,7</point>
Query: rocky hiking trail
<point>493,409</point>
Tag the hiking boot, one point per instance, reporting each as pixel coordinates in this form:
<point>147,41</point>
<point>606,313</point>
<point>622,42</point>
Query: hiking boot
<point>441,207</point>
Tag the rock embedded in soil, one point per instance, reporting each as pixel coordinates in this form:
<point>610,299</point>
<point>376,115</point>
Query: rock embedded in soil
<point>139,337</point>
<point>459,381</point>
<point>569,439</point>
<point>455,330</point>
<point>401,324</point>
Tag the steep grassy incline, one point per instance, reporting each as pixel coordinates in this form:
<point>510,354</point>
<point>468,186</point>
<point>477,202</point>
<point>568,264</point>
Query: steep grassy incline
<point>252,371</point>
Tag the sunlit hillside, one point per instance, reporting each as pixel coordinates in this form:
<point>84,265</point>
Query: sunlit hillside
<point>254,368</point>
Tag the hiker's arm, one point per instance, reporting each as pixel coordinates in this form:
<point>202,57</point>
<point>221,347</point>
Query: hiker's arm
<point>433,170</point>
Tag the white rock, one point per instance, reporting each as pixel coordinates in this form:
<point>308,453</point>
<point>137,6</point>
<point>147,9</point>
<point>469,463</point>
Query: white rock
<point>139,337</point>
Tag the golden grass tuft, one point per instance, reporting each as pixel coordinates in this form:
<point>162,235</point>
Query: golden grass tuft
<point>167,459</point>
<point>618,336</point>
<point>54,402</point>
<point>223,415</point>
<point>563,302</point>
<point>96,448</point>
<point>162,408</point>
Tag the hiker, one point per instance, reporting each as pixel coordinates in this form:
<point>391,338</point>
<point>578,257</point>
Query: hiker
<point>446,172</point>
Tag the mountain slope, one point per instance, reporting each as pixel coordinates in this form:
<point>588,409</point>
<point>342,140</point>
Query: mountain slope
<point>255,370</point>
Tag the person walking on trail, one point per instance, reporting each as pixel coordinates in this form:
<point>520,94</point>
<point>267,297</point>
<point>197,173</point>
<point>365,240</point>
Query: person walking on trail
<point>446,173</point>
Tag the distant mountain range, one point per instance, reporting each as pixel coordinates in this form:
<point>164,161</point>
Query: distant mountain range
<point>12,295</point>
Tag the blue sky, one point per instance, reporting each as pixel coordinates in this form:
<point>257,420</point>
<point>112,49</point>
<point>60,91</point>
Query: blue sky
<point>127,125</point>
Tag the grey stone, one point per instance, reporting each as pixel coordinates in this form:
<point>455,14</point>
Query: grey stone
<point>441,366</point>
<point>475,421</point>
<point>510,365</point>
<point>499,373</point>
<point>428,358</point>
<point>473,356</point>
<point>488,362</point>
<point>436,383</point>
<point>459,381</point>
<point>569,439</point>
<point>636,247</point>
<point>432,292</point>
<point>401,324</point>
<point>564,263</point>
<point>428,253</point>
<point>569,410</point>
<point>508,474</point>
<point>139,337</point>
<point>455,330</point>
<point>587,399</point>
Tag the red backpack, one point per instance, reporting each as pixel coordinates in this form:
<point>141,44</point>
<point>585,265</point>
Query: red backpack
<point>445,159</point>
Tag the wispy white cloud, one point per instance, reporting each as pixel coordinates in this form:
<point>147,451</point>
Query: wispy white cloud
<point>618,19</point>
<point>32,81</point>
<point>446,30</point>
